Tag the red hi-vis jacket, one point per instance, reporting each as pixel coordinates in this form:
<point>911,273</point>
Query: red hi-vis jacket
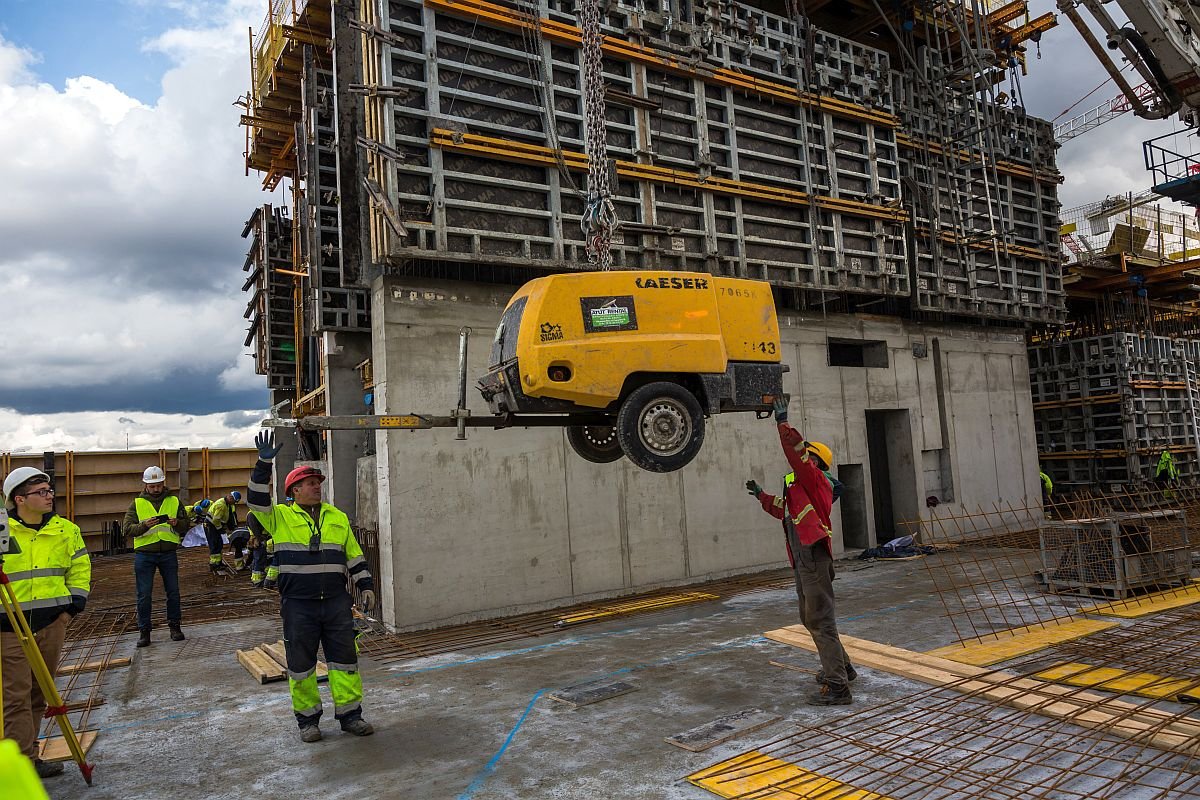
<point>807,503</point>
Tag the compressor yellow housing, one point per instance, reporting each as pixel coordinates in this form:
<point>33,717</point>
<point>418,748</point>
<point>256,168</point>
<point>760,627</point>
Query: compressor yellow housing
<point>655,351</point>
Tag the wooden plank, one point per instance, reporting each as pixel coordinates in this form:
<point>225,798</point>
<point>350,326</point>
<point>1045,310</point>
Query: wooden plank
<point>722,729</point>
<point>278,654</point>
<point>80,705</point>
<point>585,694</point>
<point>1058,702</point>
<point>260,666</point>
<point>55,748</point>
<point>93,666</point>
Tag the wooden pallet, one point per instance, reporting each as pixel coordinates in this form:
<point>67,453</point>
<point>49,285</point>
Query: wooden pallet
<point>267,663</point>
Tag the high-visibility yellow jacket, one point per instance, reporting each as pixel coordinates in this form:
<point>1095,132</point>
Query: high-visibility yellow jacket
<point>49,568</point>
<point>315,555</point>
<point>218,512</point>
<point>162,532</point>
<point>314,558</point>
<point>18,777</point>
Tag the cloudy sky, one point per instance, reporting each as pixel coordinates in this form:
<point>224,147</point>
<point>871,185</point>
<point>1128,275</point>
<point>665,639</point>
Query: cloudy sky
<point>122,197</point>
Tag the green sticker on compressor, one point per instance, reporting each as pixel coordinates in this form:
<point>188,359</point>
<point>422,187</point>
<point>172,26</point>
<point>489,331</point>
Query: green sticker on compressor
<point>608,314</point>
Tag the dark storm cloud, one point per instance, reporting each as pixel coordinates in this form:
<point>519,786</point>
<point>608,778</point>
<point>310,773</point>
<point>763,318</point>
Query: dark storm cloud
<point>178,392</point>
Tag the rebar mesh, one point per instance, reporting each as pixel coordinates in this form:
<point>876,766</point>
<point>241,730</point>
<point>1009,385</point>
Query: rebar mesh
<point>1012,567</point>
<point>945,745</point>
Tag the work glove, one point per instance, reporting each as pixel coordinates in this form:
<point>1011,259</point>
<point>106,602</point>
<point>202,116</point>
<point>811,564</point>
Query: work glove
<point>366,601</point>
<point>753,488</point>
<point>780,406</point>
<point>265,442</point>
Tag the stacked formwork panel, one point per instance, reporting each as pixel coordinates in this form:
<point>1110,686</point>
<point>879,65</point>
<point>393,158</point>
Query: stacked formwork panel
<point>982,184</point>
<point>1107,406</point>
<point>337,305</point>
<point>271,308</point>
<point>742,143</point>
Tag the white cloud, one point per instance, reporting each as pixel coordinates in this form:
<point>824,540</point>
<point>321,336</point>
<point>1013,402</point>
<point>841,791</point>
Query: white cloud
<point>121,222</point>
<point>240,375</point>
<point>15,63</point>
<point>116,431</point>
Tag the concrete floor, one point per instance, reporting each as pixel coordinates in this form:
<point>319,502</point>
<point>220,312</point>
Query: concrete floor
<point>477,724</point>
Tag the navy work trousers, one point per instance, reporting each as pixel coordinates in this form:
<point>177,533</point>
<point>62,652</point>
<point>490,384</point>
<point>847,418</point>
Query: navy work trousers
<point>144,565</point>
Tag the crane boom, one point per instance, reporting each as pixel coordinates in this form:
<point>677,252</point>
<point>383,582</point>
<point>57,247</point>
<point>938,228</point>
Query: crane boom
<point>1160,42</point>
<point>1105,112</point>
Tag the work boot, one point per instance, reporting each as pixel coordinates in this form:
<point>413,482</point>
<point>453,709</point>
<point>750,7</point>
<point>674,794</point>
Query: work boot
<point>239,565</point>
<point>829,696</point>
<point>310,734</point>
<point>144,638</point>
<point>851,675</point>
<point>358,727</point>
<point>47,769</point>
<point>176,633</point>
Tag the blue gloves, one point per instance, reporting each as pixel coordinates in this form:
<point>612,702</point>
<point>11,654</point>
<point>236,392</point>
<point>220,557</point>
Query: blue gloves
<point>781,408</point>
<point>265,442</point>
<point>753,488</point>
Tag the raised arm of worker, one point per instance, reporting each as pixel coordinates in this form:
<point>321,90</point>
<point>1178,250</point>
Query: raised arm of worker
<point>258,490</point>
<point>258,498</point>
<point>795,450</point>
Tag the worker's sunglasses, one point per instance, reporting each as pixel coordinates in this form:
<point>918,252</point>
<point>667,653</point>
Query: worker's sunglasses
<point>39,493</point>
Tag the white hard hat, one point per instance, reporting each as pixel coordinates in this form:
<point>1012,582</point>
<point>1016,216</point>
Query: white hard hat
<point>154,475</point>
<point>19,476</point>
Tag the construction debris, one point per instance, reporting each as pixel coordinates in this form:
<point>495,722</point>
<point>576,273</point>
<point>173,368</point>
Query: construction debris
<point>722,729</point>
<point>584,694</point>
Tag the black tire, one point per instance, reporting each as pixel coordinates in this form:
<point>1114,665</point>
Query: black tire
<point>595,443</point>
<point>660,426</point>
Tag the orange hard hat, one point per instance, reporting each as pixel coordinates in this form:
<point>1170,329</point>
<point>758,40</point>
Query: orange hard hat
<point>299,474</point>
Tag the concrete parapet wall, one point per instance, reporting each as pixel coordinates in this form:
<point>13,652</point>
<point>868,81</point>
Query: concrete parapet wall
<point>513,520</point>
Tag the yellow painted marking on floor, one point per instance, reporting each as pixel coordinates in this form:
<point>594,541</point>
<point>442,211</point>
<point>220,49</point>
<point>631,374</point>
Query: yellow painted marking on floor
<point>767,778</point>
<point>1145,684</point>
<point>1008,644</point>
<point>634,606</point>
<point>1149,604</point>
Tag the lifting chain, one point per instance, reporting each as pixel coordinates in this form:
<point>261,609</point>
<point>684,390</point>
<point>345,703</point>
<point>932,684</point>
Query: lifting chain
<point>600,216</point>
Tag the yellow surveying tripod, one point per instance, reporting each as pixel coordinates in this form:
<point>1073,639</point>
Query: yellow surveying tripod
<point>54,704</point>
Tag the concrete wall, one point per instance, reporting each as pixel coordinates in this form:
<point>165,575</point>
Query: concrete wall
<point>514,520</point>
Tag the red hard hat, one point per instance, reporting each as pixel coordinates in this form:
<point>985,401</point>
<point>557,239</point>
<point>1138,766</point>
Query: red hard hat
<point>299,474</point>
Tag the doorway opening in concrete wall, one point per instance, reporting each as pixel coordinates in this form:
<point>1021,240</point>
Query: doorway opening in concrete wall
<point>853,507</point>
<point>892,471</point>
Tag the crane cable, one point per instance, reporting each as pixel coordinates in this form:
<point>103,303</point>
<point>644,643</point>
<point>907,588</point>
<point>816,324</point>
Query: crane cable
<point>600,217</point>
